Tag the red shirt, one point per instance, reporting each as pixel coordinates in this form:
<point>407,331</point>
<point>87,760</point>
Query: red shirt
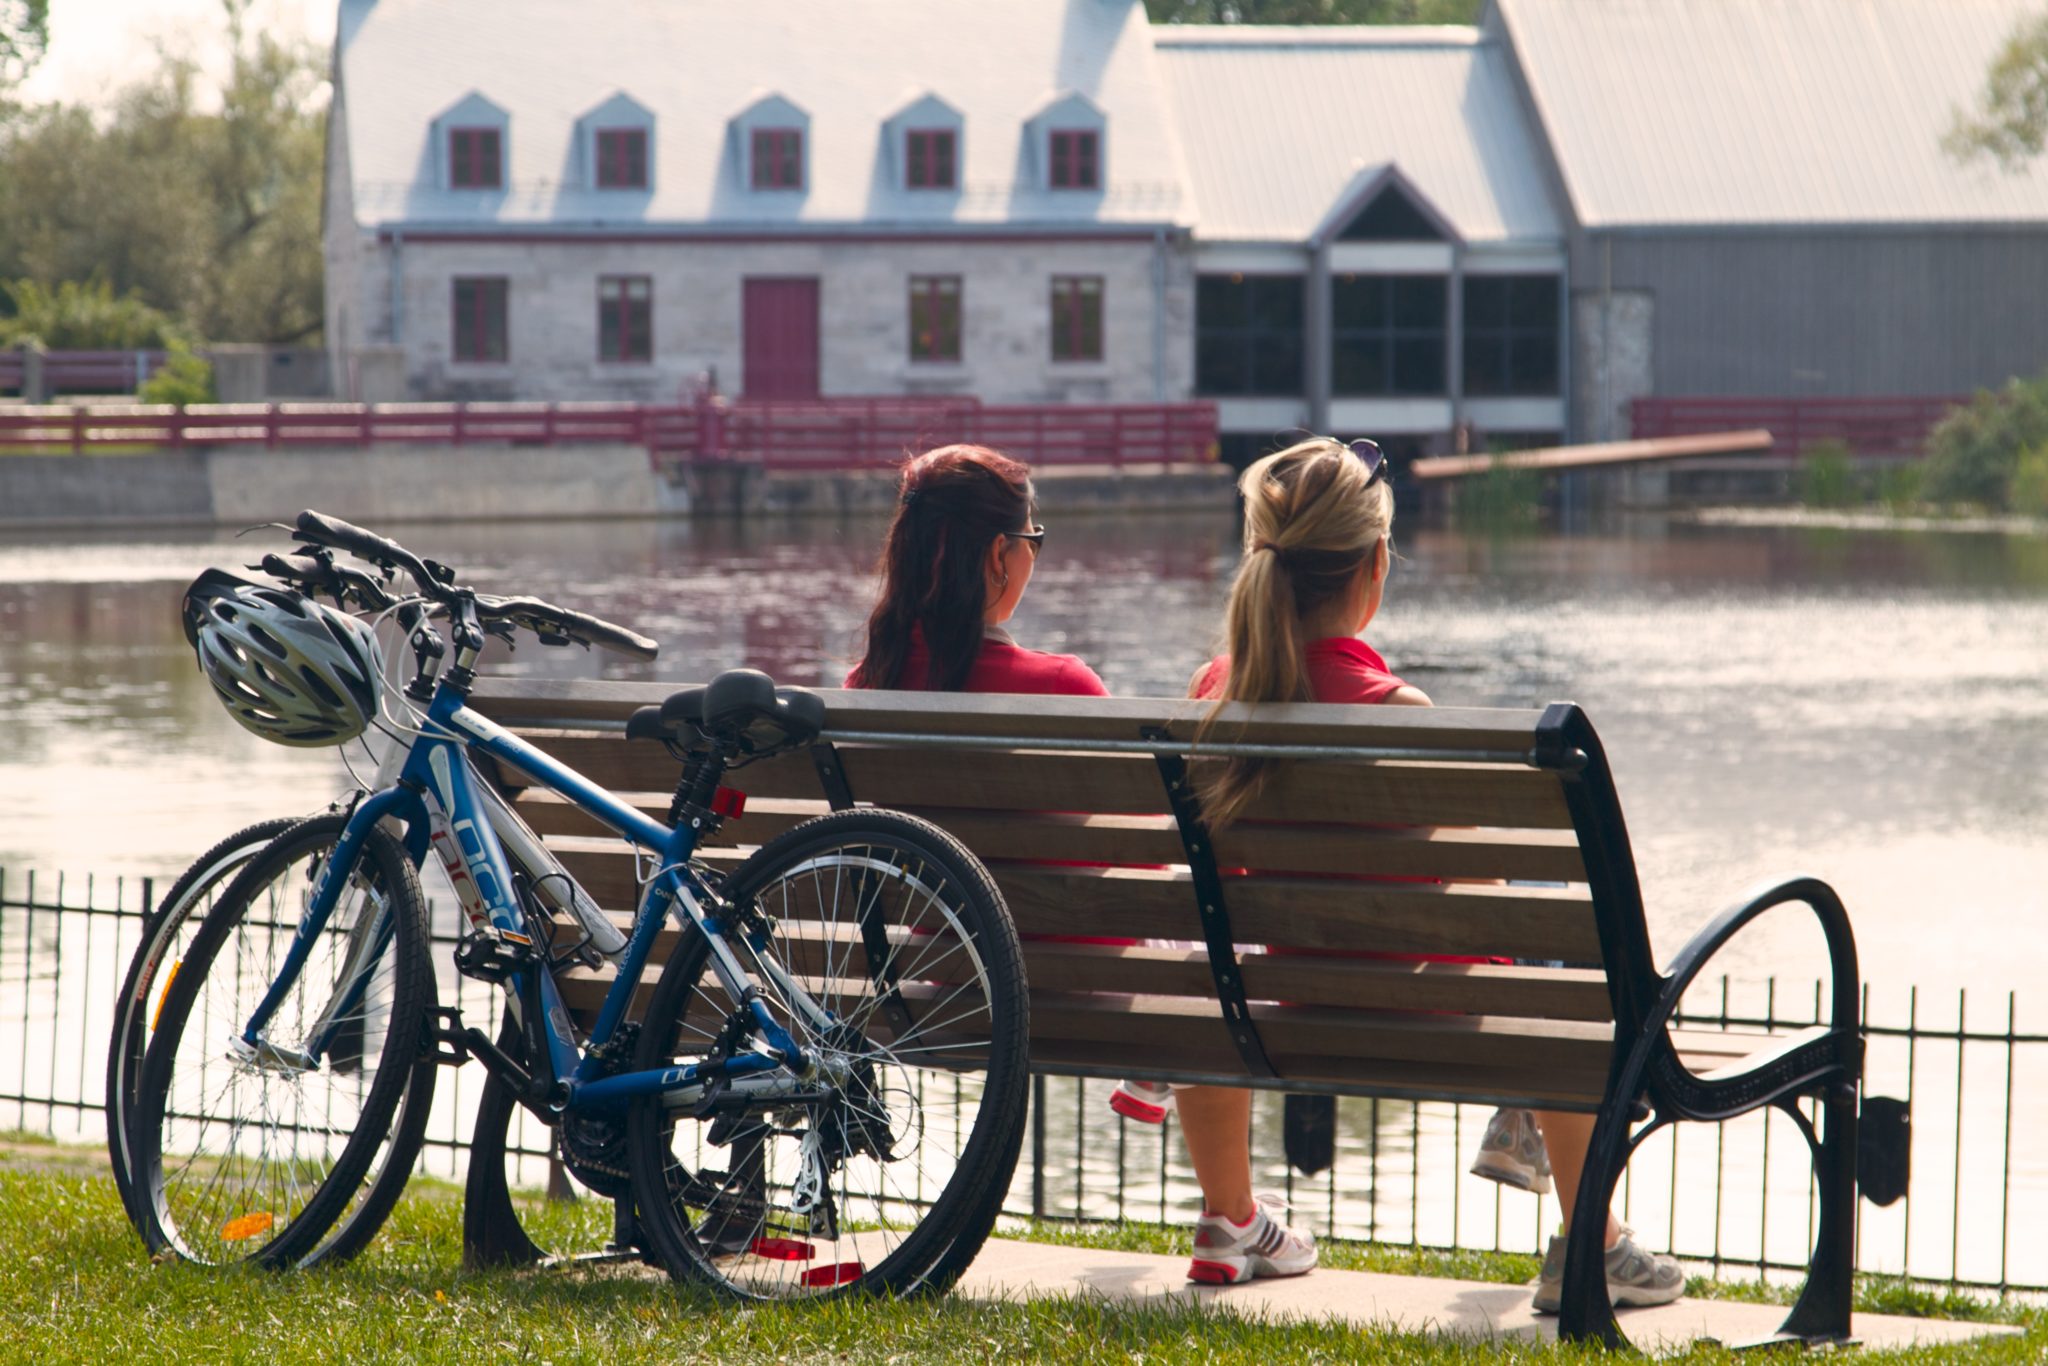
<point>1002,665</point>
<point>1340,669</point>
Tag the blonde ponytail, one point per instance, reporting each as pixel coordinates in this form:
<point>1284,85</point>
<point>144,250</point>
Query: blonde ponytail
<point>1312,518</point>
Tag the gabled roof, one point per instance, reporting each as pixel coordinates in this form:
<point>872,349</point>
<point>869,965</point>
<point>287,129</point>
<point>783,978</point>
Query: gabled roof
<point>1279,123</point>
<point>1726,112</point>
<point>696,64</point>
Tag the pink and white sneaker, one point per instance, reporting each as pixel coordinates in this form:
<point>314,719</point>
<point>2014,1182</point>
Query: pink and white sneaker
<point>1228,1253</point>
<point>1148,1102</point>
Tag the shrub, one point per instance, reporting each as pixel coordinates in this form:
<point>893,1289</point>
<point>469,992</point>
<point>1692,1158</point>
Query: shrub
<point>1501,499</point>
<point>2029,490</point>
<point>82,317</point>
<point>1973,452</point>
<point>1825,476</point>
<point>186,378</point>
<point>1899,487</point>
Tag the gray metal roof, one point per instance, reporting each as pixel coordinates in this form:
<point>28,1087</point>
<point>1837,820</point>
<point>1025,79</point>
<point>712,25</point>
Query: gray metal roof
<point>1725,112</point>
<point>695,64</point>
<point>1277,122</point>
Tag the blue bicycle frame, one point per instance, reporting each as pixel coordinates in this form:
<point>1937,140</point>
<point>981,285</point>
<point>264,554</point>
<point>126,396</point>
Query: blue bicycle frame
<point>437,772</point>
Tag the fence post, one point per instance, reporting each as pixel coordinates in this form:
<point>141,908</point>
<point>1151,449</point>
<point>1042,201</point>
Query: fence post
<point>270,433</point>
<point>1037,1146</point>
<point>78,429</point>
<point>455,421</point>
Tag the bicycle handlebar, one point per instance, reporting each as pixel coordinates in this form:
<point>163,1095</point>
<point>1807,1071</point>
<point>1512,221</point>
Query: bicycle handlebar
<point>553,625</point>
<point>545,619</point>
<point>316,575</point>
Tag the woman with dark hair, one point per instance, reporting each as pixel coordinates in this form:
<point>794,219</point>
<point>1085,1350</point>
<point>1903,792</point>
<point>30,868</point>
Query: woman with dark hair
<point>954,567</point>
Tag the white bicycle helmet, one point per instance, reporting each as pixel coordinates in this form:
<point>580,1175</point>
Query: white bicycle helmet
<point>286,667</point>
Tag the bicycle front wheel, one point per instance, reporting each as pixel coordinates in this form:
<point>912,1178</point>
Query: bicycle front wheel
<point>252,1155</point>
<point>885,950</point>
<point>166,935</point>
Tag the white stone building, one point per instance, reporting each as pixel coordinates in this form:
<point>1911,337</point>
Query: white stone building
<point>1522,226</point>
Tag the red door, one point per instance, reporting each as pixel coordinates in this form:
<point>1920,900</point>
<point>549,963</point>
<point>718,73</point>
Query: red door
<point>780,338</point>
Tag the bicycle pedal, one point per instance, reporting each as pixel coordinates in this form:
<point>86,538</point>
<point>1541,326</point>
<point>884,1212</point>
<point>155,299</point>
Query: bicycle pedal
<point>493,955</point>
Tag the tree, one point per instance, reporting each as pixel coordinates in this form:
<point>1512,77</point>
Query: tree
<point>24,34</point>
<point>1313,11</point>
<point>2011,121</point>
<point>213,217</point>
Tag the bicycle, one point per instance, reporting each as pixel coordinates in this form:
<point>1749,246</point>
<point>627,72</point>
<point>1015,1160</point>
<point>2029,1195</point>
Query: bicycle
<point>765,1109</point>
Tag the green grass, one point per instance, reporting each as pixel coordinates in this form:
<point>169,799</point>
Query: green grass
<point>74,1287</point>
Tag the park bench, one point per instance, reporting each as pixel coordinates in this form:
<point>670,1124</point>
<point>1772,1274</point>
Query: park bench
<point>1394,830</point>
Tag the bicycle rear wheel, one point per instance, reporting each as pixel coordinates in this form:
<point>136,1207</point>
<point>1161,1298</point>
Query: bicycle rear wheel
<point>251,1157</point>
<point>876,1176</point>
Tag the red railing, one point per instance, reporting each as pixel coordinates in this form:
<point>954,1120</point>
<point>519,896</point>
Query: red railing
<point>1868,426</point>
<point>822,434</point>
<point>83,372</point>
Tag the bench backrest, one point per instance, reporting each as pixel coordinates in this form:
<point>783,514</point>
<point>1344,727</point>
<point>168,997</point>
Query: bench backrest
<point>1392,831</point>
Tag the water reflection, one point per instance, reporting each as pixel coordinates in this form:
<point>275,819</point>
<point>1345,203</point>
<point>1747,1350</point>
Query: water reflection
<point>1866,706</point>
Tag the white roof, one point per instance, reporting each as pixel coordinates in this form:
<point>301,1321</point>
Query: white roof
<point>1683,112</point>
<point>1278,122</point>
<point>849,64</point>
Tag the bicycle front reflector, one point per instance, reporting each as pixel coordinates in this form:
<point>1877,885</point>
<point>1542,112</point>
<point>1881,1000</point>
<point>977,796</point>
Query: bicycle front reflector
<point>245,1227</point>
<point>824,1277</point>
<point>165,994</point>
<point>783,1249</point>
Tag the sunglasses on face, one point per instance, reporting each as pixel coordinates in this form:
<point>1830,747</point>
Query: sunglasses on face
<point>1034,537</point>
<point>1375,459</point>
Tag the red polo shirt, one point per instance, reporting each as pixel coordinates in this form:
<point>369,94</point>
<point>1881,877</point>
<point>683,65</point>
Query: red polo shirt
<point>1002,665</point>
<point>1340,669</point>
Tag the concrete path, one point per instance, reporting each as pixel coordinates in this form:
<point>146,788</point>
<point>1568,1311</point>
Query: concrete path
<point>1008,1269</point>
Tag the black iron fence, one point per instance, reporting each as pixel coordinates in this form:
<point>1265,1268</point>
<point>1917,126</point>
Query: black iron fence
<point>1738,1196</point>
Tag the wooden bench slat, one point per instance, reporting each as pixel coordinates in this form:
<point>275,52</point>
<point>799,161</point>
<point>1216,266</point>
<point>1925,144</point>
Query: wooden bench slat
<point>1325,915</point>
<point>1386,792</point>
<point>513,701</point>
<point>1469,988</point>
<point>1056,837</point>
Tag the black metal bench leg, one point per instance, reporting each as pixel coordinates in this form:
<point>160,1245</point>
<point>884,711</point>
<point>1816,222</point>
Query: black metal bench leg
<point>491,1232</point>
<point>1822,1313</point>
<point>1585,1312</point>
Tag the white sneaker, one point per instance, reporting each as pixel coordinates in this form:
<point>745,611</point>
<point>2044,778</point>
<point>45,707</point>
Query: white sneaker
<point>1511,1151</point>
<point>1227,1253</point>
<point>1148,1102</point>
<point>1634,1276</point>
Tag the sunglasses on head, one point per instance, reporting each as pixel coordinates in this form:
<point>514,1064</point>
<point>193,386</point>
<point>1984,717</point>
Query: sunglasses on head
<point>1375,459</point>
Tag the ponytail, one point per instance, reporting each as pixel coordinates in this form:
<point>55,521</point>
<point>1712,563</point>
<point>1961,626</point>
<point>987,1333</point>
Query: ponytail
<point>1313,519</point>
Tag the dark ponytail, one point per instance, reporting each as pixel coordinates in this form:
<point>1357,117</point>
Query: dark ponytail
<point>954,502</point>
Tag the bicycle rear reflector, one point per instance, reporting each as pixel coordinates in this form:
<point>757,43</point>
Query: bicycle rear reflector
<point>824,1277</point>
<point>729,802</point>
<point>783,1249</point>
<point>245,1227</point>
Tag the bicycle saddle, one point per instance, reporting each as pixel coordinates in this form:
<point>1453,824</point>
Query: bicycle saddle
<point>740,706</point>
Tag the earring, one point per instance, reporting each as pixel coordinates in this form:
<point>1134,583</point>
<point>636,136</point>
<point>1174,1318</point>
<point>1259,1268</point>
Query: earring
<point>1004,586</point>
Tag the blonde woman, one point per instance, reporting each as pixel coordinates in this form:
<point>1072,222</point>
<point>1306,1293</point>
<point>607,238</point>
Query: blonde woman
<point>1317,548</point>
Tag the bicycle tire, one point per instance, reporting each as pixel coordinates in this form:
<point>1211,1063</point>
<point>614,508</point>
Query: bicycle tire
<point>166,932</point>
<point>943,980</point>
<point>265,1159</point>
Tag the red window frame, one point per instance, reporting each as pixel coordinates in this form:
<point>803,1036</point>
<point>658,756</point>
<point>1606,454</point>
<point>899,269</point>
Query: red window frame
<point>481,319</point>
<point>476,158</point>
<point>625,319</point>
<point>1076,159</point>
<point>1077,317</point>
<point>935,319</point>
<point>931,159</point>
<point>621,158</point>
<point>778,159</point>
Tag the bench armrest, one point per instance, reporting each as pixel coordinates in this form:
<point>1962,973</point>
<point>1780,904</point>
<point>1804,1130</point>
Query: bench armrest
<point>1808,891</point>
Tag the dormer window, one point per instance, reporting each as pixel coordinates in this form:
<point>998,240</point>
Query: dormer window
<point>778,158</point>
<point>1076,159</point>
<point>931,159</point>
<point>475,159</point>
<point>621,158</point>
